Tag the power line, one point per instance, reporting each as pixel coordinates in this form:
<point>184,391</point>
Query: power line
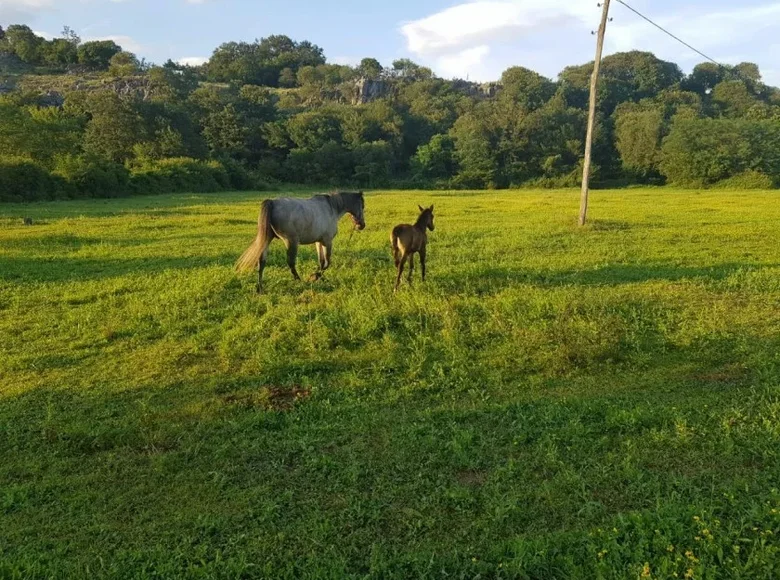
<point>662,29</point>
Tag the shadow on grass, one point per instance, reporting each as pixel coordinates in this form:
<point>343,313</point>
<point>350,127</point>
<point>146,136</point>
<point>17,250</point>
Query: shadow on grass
<point>492,279</point>
<point>65,269</point>
<point>199,468</point>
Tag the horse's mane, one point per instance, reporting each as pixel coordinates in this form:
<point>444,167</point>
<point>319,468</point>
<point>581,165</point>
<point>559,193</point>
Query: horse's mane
<point>335,199</point>
<point>421,218</point>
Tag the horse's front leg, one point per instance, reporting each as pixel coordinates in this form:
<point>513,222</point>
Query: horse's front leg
<point>323,253</point>
<point>321,261</point>
<point>292,256</point>
<point>423,256</point>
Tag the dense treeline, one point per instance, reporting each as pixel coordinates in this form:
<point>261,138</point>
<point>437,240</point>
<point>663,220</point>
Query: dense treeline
<point>91,119</point>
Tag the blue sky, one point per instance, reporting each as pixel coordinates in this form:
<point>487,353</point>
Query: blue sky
<point>476,39</point>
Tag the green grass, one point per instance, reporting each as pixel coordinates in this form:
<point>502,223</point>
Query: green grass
<point>554,402</point>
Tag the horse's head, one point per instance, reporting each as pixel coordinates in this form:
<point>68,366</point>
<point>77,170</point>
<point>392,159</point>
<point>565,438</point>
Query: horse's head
<point>426,217</point>
<point>355,206</point>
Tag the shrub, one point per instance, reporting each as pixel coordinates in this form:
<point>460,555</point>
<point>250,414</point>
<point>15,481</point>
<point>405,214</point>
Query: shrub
<point>23,180</point>
<point>181,174</point>
<point>746,180</point>
<point>702,152</point>
<point>89,177</point>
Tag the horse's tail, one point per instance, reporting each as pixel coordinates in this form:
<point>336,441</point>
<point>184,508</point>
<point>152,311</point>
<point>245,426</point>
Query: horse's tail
<point>251,256</point>
<point>396,249</point>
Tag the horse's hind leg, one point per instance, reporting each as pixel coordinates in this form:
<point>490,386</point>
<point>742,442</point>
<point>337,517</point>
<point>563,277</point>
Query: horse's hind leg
<point>400,271</point>
<point>411,268</point>
<point>260,267</point>
<point>292,255</point>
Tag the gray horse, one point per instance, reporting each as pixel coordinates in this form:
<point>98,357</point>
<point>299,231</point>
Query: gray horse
<point>301,221</point>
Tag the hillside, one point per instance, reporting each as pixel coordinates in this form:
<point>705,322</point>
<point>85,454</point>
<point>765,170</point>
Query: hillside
<point>277,111</point>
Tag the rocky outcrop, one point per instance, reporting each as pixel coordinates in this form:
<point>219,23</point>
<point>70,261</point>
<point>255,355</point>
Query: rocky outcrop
<point>367,90</point>
<point>51,99</point>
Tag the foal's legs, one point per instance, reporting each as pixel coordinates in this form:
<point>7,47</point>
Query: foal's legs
<point>400,271</point>
<point>422,262</point>
<point>292,254</point>
<point>411,268</point>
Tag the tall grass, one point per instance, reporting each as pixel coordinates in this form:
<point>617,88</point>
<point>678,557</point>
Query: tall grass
<point>553,402</point>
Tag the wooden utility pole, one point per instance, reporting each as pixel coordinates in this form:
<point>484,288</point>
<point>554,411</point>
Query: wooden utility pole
<point>594,78</point>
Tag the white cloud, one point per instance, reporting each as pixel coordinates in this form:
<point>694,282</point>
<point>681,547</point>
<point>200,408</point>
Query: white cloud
<point>345,60</point>
<point>705,28</point>
<point>193,60</point>
<point>461,64</point>
<point>549,34</point>
<point>126,42</point>
<point>475,23</point>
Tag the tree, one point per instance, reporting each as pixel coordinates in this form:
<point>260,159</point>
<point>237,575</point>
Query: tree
<point>704,77</point>
<point>704,151</point>
<point>638,134</point>
<point>733,99</point>
<point>624,76</point>
<point>114,129</point>
<point>311,130</point>
<point>23,42</point>
<point>225,133</point>
<point>262,62</point>
<point>526,88</point>
<point>475,146</point>
<point>97,54</point>
<point>123,64</point>
<point>69,35</point>
<point>406,69</point>
<point>435,159</point>
<point>370,68</point>
<point>373,163</point>
<point>38,133</point>
<point>59,53</point>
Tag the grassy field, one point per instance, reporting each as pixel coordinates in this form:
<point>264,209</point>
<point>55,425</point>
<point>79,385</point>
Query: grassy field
<point>554,402</point>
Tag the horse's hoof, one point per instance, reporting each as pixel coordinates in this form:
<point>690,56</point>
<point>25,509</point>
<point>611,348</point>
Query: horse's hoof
<point>314,277</point>
<point>258,289</point>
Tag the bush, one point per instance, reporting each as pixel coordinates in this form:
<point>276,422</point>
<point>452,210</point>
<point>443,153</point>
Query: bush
<point>90,177</point>
<point>23,180</point>
<point>746,180</point>
<point>181,174</point>
<point>701,152</point>
<point>238,177</point>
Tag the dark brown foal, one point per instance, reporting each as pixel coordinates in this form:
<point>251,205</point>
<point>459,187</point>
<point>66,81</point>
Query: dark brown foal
<point>408,240</point>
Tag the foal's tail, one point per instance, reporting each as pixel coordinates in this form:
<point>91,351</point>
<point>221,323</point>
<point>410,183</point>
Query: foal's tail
<point>396,249</point>
<point>251,257</point>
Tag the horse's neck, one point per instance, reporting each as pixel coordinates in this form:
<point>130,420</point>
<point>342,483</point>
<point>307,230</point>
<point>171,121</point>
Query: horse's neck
<point>338,205</point>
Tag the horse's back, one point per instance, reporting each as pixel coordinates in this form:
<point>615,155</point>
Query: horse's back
<point>307,220</point>
<point>407,238</point>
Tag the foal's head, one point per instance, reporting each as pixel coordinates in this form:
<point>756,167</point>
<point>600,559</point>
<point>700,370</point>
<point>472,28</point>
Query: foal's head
<point>354,204</point>
<point>426,217</point>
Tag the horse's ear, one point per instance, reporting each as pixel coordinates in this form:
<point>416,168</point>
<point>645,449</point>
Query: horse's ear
<point>421,208</point>
<point>431,208</point>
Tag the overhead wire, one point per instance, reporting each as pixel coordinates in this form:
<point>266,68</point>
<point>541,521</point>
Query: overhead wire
<point>662,29</point>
